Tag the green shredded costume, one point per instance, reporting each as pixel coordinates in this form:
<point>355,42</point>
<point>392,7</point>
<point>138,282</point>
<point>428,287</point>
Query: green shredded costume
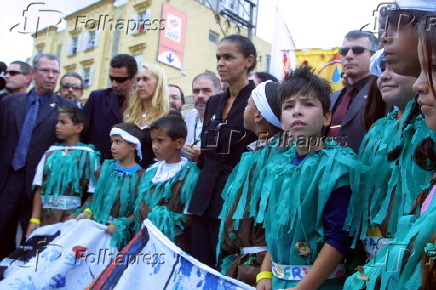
<point>163,203</point>
<point>398,265</point>
<point>113,201</point>
<point>290,201</point>
<point>67,172</point>
<point>400,180</point>
<point>237,229</point>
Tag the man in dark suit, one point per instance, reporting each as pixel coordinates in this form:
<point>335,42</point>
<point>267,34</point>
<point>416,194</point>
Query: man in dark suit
<point>105,107</point>
<point>347,126</point>
<point>27,129</point>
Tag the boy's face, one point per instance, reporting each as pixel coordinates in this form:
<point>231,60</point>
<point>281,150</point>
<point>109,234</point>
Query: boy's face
<point>400,43</point>
<point>164,148</point>
<point>121,149</point>
<point>303,116</point>
<point>423,87</point>
<point>250,114</point>
<point>66,129</point>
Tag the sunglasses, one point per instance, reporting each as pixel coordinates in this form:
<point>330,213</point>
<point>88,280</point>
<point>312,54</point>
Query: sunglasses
<point>356,50</point>
<point>119,79</point>
<point>67,86</point>
<point>14,72</point>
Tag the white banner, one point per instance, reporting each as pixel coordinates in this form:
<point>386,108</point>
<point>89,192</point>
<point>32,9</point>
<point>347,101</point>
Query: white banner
<point>78,253</point>
<point>152,261</point>
<point>79,250</point>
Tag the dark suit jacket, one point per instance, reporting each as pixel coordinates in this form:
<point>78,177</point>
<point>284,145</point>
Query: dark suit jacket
<point>352,127</point>
<point>12,114</point>
<point>103,112</point>
<point>222,144</point>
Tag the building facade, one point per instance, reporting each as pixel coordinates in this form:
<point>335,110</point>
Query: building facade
<point>180,35</point>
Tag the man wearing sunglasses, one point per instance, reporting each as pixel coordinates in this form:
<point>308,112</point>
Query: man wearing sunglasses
<point>106,107</point>
<point>347,126</point>
<point>27,130</point>
<point>71,87</point>
<point>18,77</point>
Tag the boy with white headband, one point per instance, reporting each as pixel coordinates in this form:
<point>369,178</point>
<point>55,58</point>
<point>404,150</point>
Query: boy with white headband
<point>240,240</point>
<point>167,185</point>
<point>65,174</point>
<point>115,193</point>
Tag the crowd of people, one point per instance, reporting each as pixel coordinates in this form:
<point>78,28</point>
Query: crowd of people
<point>279,185</point>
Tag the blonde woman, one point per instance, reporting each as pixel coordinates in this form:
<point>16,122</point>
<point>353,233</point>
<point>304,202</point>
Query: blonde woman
<point>149,102</point>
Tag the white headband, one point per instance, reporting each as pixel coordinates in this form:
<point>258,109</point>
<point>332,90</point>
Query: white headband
<point>421,5</point>
<point>129,138</point>
<point>259,98</point>
<point>375,62</point>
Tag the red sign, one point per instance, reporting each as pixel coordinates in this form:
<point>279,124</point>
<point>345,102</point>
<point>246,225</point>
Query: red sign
<point>172,38</point>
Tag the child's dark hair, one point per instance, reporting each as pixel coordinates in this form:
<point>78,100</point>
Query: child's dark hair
<point>303,81</point>
<point>428,269</point>
<point>427,35</point>
<point>132,129</point>
<point>174,126</point>
<point>77,116</point>
<point>414,112</point>
<point>425,157</point>
<point>375,107</point>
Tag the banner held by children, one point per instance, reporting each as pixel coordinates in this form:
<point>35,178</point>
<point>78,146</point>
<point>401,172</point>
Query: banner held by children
<point>152,261</point>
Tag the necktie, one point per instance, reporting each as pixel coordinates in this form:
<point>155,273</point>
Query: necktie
<point>20,154</point>
<point>340,113</point>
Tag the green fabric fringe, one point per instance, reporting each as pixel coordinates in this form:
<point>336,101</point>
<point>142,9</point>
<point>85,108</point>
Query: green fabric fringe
<point>121,235</point>
<point>226,263</point>
<point>114,187</point>
<point>167,221</point>
<point>64,172</point>
<point>155,195</point>
<point>391,266</point>
<point>240,183</point>
<point>401,178</point>
<point>290,201</point>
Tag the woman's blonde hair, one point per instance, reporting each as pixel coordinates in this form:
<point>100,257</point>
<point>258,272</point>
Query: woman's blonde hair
<point>160,101</point>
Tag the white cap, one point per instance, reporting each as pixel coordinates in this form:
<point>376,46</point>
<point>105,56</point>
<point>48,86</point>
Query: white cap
<point>422,5</point>
<point>375,62</point>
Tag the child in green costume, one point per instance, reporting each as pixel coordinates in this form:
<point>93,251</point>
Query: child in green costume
<point>399,264</point>
<point>167,185</point>
<point>304,199</point>
<point>396,90</point>
<point>396,179</point>
<point>65,173</point>
<point>240,239</point>
<point>116,190</point>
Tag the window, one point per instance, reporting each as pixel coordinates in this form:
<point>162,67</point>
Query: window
<point>142,21</point>
<point>58,52</point>
<point>233,5</point>
<point>87,75</point>
<point>138,58</point>
<point>268,63</point>
<point>213,37</point>
<point>91,41</point>
<point>75,45</point>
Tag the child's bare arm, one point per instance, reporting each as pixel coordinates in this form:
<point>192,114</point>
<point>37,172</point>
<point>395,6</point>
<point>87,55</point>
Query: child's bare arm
<point>265,284</point>
<point>73,215</point>
<point>36,211</point>
<point>323,266</point>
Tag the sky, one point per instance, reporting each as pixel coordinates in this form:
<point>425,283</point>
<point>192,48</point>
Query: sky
<point>312,23</point>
